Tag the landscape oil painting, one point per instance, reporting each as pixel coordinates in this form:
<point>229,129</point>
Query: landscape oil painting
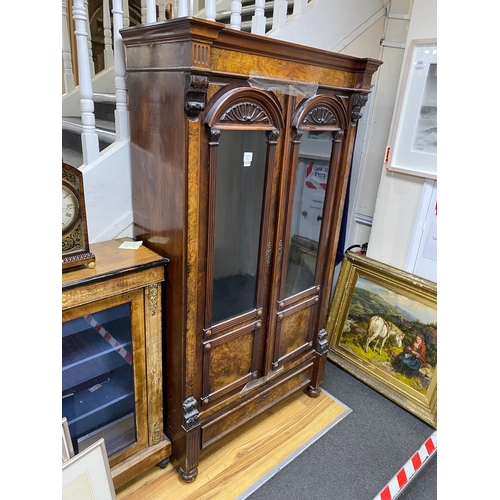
<point>382,328</point>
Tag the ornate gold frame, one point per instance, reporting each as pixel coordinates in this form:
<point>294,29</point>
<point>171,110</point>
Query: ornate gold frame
<point>392,293</point>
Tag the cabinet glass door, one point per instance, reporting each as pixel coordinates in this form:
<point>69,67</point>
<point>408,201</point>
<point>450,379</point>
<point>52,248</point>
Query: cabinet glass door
<point>304,240</point>
<point>307,216</point>
<point>241,168</point>
<point>97,378</point>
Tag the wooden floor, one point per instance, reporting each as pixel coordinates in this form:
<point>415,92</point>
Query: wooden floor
<point>237,465</point>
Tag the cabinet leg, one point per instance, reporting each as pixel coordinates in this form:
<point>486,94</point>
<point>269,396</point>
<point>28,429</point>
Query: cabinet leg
<point>188,477</point>
<point>314,389</point>
<point>163,463</point>
<point>188,469</point>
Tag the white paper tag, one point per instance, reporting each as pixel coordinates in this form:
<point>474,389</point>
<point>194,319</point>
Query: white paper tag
<point>131,245</point>
<point>247,159</point>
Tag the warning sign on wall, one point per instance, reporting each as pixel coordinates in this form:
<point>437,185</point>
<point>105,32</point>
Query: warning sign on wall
<point>313,197</point>
<point>317,176</point>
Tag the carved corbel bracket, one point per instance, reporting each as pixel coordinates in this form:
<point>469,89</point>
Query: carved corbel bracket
<point>358,101</point>
<point>196,94</point>
<point>322,345</point>
<point>273,136</point>
<point>190,413</point>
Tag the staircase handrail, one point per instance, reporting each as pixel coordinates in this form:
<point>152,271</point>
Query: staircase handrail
<point>114,54</point>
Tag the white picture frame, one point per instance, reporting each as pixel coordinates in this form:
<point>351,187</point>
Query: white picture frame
<point>67,445</point>
<point>414,143</point>
<point>87,475</point>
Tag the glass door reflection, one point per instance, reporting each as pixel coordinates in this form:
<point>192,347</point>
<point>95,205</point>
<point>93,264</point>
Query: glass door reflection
<point>241,167</point>
<point>307,217</point>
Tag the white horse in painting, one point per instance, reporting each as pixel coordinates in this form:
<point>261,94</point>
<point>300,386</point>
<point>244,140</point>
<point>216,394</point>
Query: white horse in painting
<point>380,329</point>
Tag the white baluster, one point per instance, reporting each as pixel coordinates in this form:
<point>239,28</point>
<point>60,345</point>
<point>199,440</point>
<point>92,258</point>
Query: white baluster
<point>279,13</point>
<point>299,6</point>
<point>126,14</point>
<point>183,8</point>
<point>68,76</point>
<point>144,12</point>
<point>108,47</point>
<point>90,140</point>
<point>162,4</point>
<point>210,10</point>
<point>235,22</point>
<point>121,113</point>
<point>259,18</point>
<point>151,14</point>
<point>175,9</point>
<point>89,41</point>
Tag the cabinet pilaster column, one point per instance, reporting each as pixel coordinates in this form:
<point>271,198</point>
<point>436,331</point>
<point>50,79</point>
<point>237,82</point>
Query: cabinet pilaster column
<point>188,469</point>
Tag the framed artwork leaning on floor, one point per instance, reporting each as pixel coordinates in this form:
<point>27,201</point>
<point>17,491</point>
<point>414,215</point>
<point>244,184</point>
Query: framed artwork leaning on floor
<point>382,328</point>
<point>87,476</point>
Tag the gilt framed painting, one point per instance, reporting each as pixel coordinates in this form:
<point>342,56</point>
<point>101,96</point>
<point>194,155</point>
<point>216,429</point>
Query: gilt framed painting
<point>382,328</point>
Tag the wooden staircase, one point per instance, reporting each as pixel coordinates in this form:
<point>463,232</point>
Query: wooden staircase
<point>105,103</point>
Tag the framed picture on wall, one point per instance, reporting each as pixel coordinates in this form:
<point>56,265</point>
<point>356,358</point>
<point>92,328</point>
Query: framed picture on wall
<point>414,143</point>
<point>382,328</point>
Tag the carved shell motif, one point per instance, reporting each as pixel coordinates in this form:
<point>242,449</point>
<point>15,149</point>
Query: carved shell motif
<point>245,112</point>
<point>320,116</point>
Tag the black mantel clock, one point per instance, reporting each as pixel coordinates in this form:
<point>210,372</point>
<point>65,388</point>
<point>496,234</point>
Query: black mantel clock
<point>75,240</point>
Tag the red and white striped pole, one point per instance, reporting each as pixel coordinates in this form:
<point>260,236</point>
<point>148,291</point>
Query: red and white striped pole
<point>408,471</point>
<point>109,338</point>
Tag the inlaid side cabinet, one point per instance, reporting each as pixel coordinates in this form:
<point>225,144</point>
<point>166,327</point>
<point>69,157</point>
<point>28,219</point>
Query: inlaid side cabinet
<point>112,357</point>
<point>241,148</point>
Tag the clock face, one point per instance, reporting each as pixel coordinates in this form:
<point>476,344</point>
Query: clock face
<point>70,208</point>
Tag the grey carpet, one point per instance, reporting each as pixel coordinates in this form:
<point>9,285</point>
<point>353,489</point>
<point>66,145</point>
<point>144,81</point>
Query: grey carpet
<point>358,456</point>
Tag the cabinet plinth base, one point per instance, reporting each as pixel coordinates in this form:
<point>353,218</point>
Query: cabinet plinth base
<point>140,462</point>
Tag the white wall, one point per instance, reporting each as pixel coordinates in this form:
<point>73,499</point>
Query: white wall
<point>374,126</point>
<point>399,195</point>
<point>108,200</point>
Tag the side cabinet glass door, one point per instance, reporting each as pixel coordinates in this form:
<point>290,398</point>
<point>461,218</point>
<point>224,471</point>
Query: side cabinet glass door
<point>99,386</point>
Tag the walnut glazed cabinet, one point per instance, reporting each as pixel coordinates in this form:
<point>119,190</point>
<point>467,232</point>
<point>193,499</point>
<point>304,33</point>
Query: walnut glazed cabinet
<point>112,357</point>
<point>241,147</point>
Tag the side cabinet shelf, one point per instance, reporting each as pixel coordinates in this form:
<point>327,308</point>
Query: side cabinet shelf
<point>112,357</point>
